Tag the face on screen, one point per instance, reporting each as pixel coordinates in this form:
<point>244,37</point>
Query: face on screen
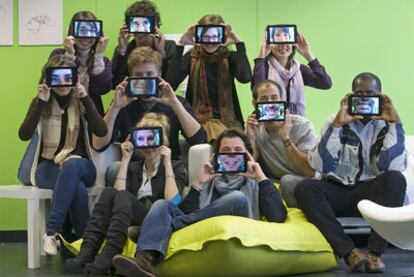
<point>146,137</point>
<point>141,24</point>
<point>231,162</point>
<point>281,34</point>
<point>61,76</point>
<point>87,28</point>
<point>145,87</point>
<point>271,111</point>
<point>365,105</point>
<point>210,34</point>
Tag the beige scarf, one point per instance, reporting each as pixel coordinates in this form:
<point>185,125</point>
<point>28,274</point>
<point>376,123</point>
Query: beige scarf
<point>51,131</point>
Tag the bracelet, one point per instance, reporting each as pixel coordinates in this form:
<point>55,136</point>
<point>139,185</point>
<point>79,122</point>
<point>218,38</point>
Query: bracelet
<point>172,176</point>
<point>287,142</point>
<point>124,179</point>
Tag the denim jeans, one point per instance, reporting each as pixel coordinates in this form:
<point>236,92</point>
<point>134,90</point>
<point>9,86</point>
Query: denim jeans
<point>164,218</point>
<point>70,196</point>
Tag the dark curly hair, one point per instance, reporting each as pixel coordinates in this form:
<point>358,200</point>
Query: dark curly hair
<point>144,7</point>
<point>233,133</point>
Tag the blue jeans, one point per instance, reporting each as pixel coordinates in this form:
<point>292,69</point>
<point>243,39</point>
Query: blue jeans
<point>164,218</point>
<point>70,196</point>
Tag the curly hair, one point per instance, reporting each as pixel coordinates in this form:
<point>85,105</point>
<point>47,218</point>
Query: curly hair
<point>144,7</point>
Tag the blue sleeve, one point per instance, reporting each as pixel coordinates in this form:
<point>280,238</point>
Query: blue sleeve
<point>392,154</point>
<point>328,151</point>
<point>270,203</point>
<point>176,199</point>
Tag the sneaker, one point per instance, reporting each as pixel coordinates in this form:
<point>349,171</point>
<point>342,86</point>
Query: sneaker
<point>374,264</point>
<point>356,260</point>
<point>50,244</point>
<point>140,266</point>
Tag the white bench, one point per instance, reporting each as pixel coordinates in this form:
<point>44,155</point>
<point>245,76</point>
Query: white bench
<point>36,203</point>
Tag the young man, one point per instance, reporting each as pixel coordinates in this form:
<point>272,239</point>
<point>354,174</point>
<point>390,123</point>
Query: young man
<point>155,41</point>
<point>125,111</point>
<point>361,157</point>
<point>249,194</point>
<point>281,147</point>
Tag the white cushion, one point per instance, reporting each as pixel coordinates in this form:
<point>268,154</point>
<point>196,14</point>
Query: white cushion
<point>409,171</point>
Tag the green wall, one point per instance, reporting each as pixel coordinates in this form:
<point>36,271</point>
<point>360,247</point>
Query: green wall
<point>348,37</point>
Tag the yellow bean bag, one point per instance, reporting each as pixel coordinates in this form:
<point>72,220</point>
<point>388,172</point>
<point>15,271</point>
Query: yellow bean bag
<point>238,246</point>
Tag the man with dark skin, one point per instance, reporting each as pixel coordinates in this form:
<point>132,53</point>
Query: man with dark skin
<point>360,157</point>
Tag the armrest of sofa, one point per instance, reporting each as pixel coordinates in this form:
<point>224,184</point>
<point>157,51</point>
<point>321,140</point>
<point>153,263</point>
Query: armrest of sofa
<point>103,159</point>
<point>197,155</point>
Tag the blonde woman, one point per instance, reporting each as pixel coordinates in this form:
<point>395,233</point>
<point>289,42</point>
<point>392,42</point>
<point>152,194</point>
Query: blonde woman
<point>137,186</point>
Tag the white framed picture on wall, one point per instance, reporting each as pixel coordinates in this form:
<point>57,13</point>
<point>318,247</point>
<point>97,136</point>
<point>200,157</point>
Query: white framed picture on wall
<point>40,22</point>
<point>6,22</point>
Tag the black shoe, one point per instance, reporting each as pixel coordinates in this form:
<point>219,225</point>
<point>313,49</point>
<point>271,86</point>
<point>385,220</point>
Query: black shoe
<point>101,265</point>
<point>78,263</point>
<point>140,266</point>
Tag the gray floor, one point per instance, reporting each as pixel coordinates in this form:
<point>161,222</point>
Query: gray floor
<point>13,262</point>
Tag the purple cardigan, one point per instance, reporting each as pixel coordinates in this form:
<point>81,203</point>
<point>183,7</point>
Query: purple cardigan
<point>98,84</point>
<point>313,74</point>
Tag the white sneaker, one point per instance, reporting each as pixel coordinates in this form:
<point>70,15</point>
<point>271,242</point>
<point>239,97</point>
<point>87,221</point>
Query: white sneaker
<point>50,244</point>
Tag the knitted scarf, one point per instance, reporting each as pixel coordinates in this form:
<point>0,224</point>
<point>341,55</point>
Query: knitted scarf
<point>279,74</point>
<point>224,184</point>
<point>199,86</point>
<point>51,131</point>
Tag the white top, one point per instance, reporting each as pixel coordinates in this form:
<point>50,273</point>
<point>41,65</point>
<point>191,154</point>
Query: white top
<point>146,190</point>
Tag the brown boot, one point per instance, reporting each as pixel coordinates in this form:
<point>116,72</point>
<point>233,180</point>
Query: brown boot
<point>374,264</point>
<point>133,233</point>
<point>140,266</point>
<point>356,260</point>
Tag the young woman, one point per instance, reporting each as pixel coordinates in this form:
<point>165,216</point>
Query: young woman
<point>88,55</point>
<point>276,62</point>
<point>62,116</point>
<point>212,68</point>
<point>138,185</point>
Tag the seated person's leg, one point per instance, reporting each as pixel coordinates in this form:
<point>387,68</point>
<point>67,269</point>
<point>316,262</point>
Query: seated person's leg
<point>125,206</point>
<point>319,201</point>
<point>232,203</point>
<point>387,189</point>
<point>288,184</point>
<point>95,231</point>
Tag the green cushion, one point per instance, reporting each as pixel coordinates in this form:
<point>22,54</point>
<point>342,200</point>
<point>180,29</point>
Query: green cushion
<point>237,246</point>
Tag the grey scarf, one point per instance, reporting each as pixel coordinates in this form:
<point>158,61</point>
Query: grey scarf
<point>225,184</point>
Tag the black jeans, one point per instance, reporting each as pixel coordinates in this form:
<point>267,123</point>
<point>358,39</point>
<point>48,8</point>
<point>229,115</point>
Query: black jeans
<point>322,201</point>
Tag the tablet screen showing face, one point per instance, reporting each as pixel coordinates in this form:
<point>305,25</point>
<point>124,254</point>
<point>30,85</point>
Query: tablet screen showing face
<point>146,137</point>
<point>141,24</point>
<point>142,87</point>
<point>87,29</point>
<point>210,34</point>
<point>271,111</point>
<point>281,34</point>
<point>61,76</point>
<point>230,162</point>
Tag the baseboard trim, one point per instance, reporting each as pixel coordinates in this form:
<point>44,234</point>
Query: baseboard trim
<point>13,236</point>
